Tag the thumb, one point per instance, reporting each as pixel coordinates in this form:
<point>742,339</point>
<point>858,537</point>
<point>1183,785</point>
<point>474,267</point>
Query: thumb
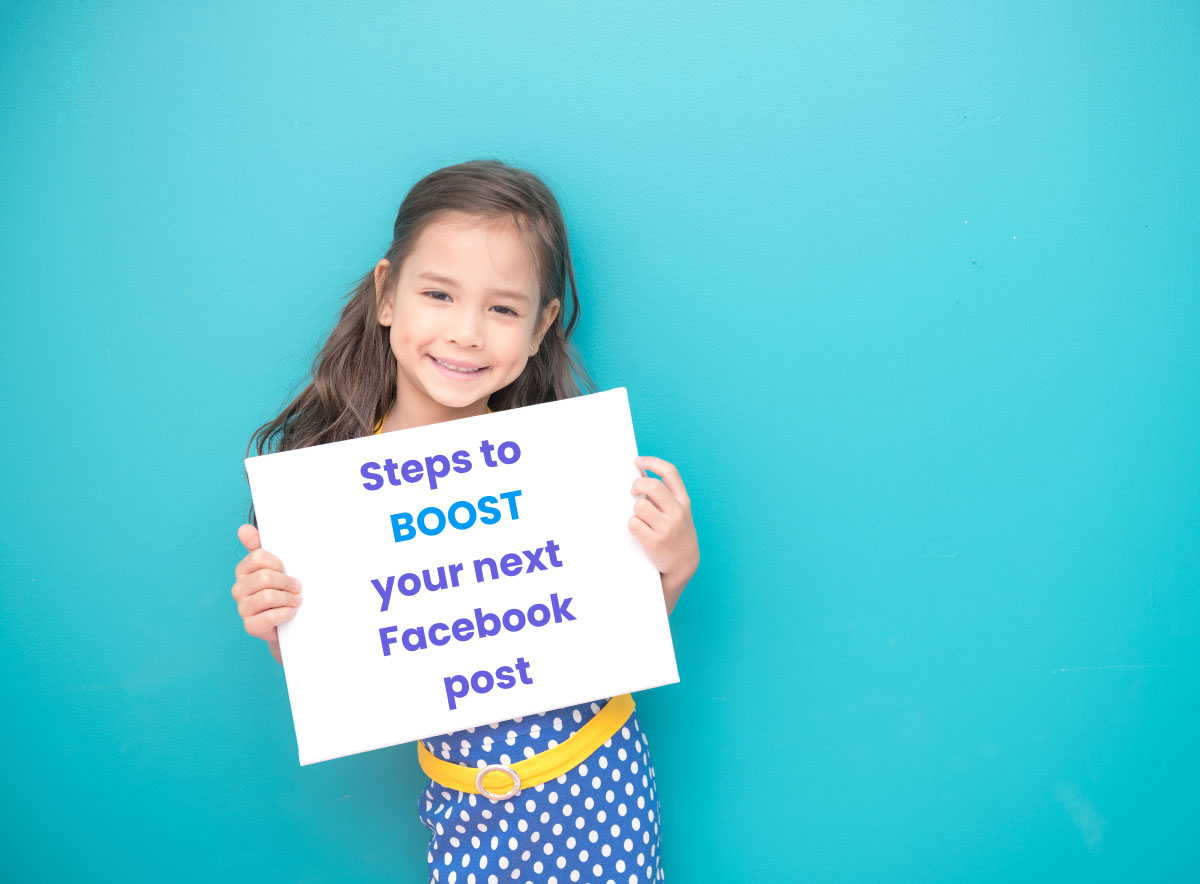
<point>248,535</point>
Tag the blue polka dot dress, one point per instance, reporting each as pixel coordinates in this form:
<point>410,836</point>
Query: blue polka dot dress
<point>597,824</point>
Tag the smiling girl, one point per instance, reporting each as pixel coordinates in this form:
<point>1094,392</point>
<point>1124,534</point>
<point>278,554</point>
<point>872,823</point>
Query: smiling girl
<point>464,315</point>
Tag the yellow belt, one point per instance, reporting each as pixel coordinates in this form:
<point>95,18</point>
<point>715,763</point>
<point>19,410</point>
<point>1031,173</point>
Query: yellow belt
<point>540,768</point>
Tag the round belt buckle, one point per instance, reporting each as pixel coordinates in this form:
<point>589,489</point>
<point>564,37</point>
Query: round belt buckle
<point>511,793</point>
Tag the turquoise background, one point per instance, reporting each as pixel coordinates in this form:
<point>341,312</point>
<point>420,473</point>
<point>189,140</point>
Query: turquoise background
<point>909,293</point>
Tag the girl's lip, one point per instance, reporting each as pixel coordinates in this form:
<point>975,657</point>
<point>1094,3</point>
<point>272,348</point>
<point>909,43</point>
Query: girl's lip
<point>457,375</point>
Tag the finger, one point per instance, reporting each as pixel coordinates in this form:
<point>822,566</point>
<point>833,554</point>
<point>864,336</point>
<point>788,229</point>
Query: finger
<point>248,535</point>
<point>649,513</point>
<point>263,578</point>
<point>670,476</point>
<point>256,560</point>
<point>656,492</point>
<point>261,624</point>
<point>266,599</point>
<point>640,530</point>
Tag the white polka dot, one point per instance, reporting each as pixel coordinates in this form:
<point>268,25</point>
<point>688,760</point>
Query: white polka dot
<point>558,724</point>
<point>583,855</point>
<point>553,798</point>
<point>625,732</point>
<point>595,782</point>
<point>577,716</point>
<point>621,754</point>
<point>561,861</point>
<point>596,870</point>
<point>616,830</point>
<point>575,876</point>
<point>522,825</point>
<point>628,789</point>
<point>641,859</point>
<point>593,836</point>
<point>616,774</point>
<point>620,865</point>
<point>548,848</point>
<point>582,772</point>
<point>502,862</point>
<point>535,731</point>
<point>529,753</point>
<point>566,810</point>
<point>601,816</point>
<point>537,866</point>
<point>511,739</point>
<point>589,803</point>
<point>574,790</point>
<point>633,767</point>
<point>530,805</point>
<point>603,761</point>
<point>606,850</point>
<point>545,817</point>
<point>621,809</point>
<point>636,823</point>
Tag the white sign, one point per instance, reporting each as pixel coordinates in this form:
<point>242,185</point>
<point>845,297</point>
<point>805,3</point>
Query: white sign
<point>462,573</point>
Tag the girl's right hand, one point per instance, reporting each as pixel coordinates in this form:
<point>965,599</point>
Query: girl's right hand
<point>265,595</point>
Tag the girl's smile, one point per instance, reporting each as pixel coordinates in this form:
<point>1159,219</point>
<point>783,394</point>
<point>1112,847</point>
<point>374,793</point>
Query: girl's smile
<point>459,370</point>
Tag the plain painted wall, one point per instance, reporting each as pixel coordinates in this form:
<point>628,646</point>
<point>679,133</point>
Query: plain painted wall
<point>907,291</point>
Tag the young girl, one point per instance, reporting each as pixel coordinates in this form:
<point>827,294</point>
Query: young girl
<point>463,316</point>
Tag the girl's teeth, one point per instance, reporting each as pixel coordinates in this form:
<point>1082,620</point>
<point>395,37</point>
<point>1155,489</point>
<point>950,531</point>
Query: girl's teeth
<point>452,368</point>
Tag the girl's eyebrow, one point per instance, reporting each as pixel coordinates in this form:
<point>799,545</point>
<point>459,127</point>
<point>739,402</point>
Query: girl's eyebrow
<point>445,280</point>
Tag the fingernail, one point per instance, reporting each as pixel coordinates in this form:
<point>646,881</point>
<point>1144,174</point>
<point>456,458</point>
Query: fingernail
<point>299,599</point>
<point>297,586</point>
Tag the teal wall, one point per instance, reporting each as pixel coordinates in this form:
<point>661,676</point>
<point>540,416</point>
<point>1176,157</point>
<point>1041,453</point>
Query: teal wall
<point>909,292</point>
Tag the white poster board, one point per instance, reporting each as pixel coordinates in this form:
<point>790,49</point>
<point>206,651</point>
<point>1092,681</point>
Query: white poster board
<point>462,573</point>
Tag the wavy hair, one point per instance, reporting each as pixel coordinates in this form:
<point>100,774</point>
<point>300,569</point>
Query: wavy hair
<point>353,378</point>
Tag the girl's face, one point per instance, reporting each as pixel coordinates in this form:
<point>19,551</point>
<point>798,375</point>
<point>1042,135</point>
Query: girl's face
<point>463,312</point>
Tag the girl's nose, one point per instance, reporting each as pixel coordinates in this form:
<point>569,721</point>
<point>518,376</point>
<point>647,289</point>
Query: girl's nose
<point>465,330</point>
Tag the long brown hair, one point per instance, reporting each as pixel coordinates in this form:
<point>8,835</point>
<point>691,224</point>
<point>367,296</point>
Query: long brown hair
<point>354,376</point>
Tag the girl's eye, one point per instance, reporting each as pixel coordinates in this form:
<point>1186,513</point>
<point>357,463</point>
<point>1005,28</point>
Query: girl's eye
<point>434,295</point>
<point>509,311</point>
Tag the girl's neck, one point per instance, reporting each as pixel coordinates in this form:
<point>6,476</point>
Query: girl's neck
<point>406,413</point>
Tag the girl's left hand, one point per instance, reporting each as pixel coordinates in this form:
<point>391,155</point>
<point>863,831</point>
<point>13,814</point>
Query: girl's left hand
<point>662,523</point>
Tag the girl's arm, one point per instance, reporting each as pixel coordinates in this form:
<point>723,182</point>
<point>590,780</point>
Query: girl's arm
<point>662,523</point>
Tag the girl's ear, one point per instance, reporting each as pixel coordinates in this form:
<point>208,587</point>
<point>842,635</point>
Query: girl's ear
<point>548,315</point>
<point>383,300</point>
